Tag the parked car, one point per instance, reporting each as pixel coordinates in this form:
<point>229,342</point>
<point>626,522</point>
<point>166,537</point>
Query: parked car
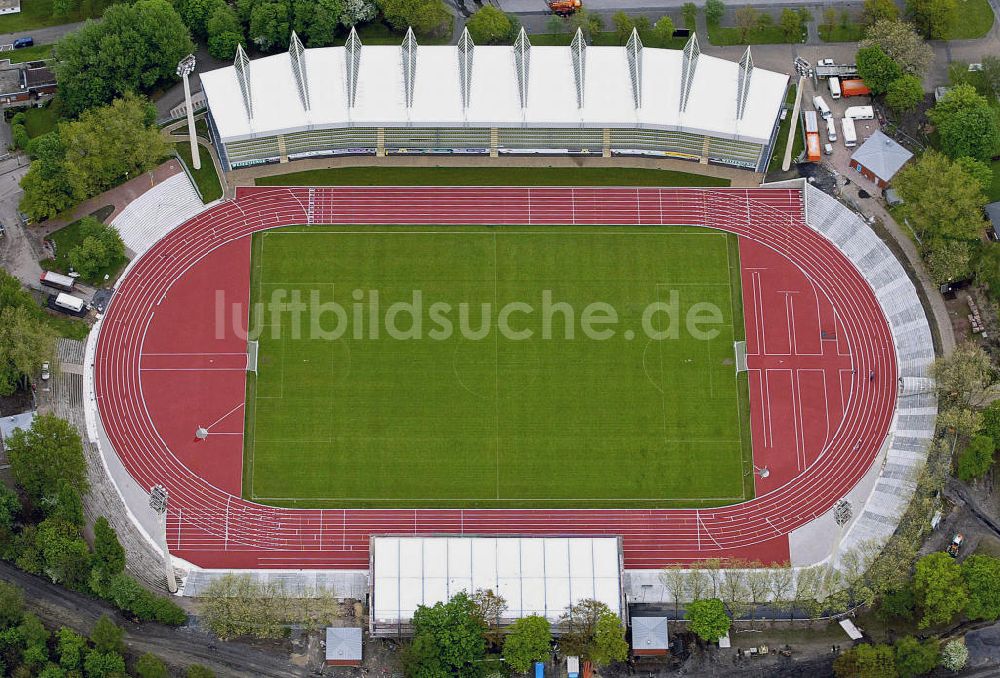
<point>955,545</point>
<point>24,42</point>
<point>46,373</point>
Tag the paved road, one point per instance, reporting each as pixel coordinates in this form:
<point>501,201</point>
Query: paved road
<point>42,36</point>
<point>177,647</point>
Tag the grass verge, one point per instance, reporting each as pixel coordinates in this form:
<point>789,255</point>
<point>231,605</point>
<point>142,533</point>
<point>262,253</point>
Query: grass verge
<point>490,176</point>
<point>766,35</point>
<point>975,20</point>
<point>206,177</point>
<point>39,121</point>
<point>38,14</point>
<point>850,33</point>
<point>606,39</point>
<point>778,152</point>
<point>34,53</point>
<point>68,237</point>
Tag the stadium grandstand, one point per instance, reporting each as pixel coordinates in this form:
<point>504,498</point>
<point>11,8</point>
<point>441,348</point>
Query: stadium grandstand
<point>496,100</point>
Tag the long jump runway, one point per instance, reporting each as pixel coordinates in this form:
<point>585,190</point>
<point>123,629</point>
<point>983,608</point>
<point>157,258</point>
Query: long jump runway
<point>822,374</point>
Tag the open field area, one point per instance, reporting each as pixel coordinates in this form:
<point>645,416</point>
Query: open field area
<point>489,176</point>
<point>497,418</point>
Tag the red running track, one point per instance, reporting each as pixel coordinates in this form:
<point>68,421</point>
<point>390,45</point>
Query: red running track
<point>160,371</point>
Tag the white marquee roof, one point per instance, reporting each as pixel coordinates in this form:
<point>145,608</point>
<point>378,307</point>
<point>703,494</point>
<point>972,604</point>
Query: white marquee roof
<point>536,575</point>
<point>274,105</point>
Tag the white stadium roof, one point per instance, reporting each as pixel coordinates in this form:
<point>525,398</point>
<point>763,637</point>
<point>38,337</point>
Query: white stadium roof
<point>305,89</point>
<point>536,575</point>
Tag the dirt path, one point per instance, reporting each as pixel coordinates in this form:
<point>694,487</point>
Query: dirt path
<point>179,648</point>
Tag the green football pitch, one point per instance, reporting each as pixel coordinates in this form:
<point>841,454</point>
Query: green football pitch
<point>496,367</point>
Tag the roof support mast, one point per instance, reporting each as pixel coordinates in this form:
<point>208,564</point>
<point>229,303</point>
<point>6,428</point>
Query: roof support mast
<point>522,63</point>
<point>578,50</point>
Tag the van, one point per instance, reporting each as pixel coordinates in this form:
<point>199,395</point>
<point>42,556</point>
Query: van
<point>850,134</point>
<point>834,83</point>
<point>831,129</point>
<point>820,105</point>
<point>24,42</point>
<point>860,112</point>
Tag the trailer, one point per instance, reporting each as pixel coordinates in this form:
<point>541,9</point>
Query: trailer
<point>850,134</point>
<point>68,304</point>
<point>811,122</point>
<point>836,71</point>
<point>57,281</point>
<point>860,113</point>
<point>854,88</point>
<point>834,83</point>
<point>812,147</point>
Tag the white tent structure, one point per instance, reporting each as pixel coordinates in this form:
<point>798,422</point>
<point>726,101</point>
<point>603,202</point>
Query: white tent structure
<point>469,99</point>
<point>536,575</point>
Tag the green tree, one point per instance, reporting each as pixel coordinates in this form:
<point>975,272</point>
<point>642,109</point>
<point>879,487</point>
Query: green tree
<point>25,343</point>
<point>990,422</point>
<point>270,25</point>
<point>866,661</point>
<point>915,658</point>
<point>102,248</point>
<point>488,26</point>
<point>11,605</point>
<point>976,459</point>
<point>65,556</point>
<point>663,29</point>
<point>964,378</point>
<point>316,21</point>
<point>195,14</point>
<point>904,93</point>
<point>609,643</point>
<point>588,22</point>
<point>151,666</point>
<point>939,588</point>
<point>225,32</point>
<point>623,24</point>
<point>358,12</point>
<point>933,18</point>
<point>877,68</point>
<point>967,123</point>
<point>947,259</point>
<point>448,639</point>
<point>34,639</point>
<point>943,202</point>
<point>104,665</point>
<point>954,656</point>
<point>977,170</point>
<point>982,578</point>
<point>689,12</point>
<point>44,456</point>
<point>47,189</point>
<point>708,618</point>
<point>902,43</point>
<point>714,10</point>
<point>876,10</point>
<point>70,647</point>
<point>791,24</point>
<point>107,636</point>
<point>746,20</point>
<point>109,556</point>
<point>88,156</point>
<point>829,20</point>
<point>427,17</point>
<point>529,639</point>
<point>133,48</point>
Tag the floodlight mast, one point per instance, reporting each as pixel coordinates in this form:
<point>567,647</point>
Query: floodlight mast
<point>184,69</point>
<point>158,502</point>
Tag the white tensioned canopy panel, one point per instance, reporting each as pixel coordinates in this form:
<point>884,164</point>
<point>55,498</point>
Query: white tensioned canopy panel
<point>550,98</point>
<point>536,575</point>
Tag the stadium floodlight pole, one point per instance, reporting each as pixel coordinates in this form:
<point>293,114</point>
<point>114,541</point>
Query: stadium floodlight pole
<point>184,69</point>
<point>158,502</point>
